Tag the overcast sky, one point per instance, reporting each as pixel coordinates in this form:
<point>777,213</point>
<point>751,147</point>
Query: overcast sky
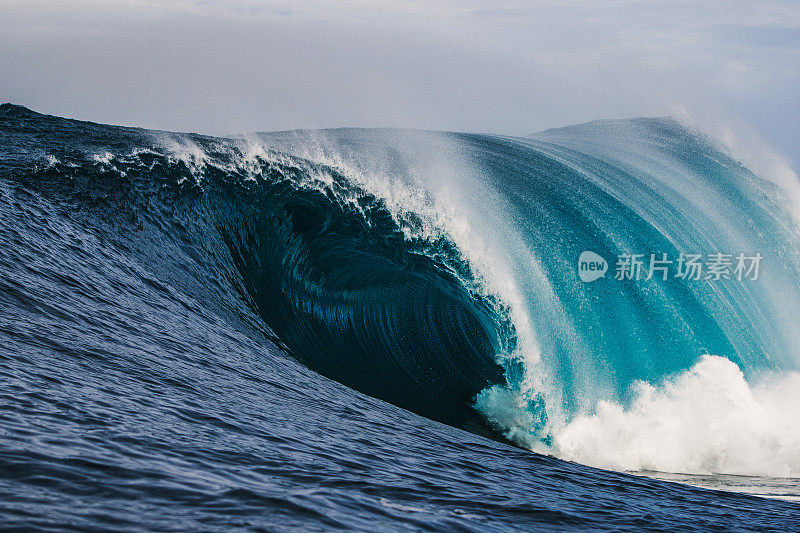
<point>225,66</point>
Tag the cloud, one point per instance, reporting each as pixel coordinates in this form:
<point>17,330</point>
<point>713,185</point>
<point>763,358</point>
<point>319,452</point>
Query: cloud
<point>771,36</point>
<point>220,66</point>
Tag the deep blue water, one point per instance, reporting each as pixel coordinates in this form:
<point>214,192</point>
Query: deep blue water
<point>372,329</point>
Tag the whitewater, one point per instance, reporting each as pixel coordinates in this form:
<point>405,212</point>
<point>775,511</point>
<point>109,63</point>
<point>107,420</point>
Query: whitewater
<point>262,325</point>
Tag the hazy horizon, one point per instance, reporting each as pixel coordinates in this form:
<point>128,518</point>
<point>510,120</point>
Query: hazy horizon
<point>221,67</point>
<point>300,129</point>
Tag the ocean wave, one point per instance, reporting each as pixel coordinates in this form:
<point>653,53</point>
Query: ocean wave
<point>438,272</point>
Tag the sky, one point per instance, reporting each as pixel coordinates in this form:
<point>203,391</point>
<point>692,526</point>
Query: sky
<point>226,67</point>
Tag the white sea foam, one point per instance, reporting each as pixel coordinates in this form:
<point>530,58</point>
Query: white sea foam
<point>184,149</point>
<point>707,419</point>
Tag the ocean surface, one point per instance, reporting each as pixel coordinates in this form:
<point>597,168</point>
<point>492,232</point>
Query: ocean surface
<point>591,327</point>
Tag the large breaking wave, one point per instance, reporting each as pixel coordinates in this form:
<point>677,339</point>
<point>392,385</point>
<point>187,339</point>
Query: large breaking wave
<point>437,271</point>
